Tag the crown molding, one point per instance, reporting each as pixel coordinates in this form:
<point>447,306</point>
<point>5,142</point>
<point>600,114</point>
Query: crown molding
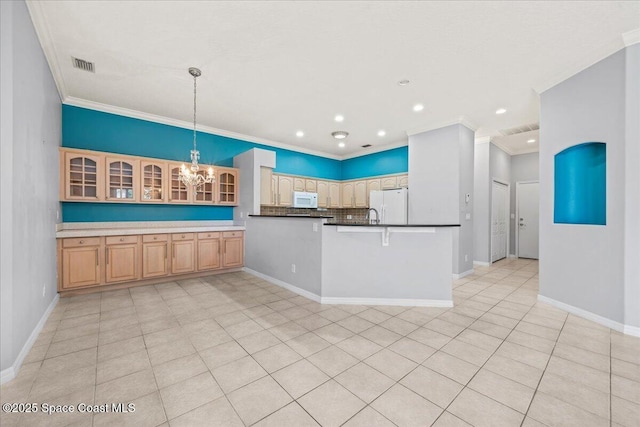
<point>482,140</point>
<point>503,147</point>
<point>106,108</point>
<point>631,37</point>
<point>44,37</point>
<point>461,120</point>
<point>378,149</point>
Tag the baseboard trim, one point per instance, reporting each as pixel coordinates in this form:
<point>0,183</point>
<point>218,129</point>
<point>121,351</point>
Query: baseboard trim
<point>388,301</point>
<point>287,286</point>
<point>612,324</point>
<point>482,263</point>
<point>11,372</point>
<point>512,256</point>
<point>457,276</point>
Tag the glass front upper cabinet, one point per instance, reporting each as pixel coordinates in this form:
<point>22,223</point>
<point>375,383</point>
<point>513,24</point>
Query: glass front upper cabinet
<point>153,182</point>
<point>227,187</point>
<point>178,192</point>
<point>206,192</point>
<point>83,176</point>
<point>121,179</point>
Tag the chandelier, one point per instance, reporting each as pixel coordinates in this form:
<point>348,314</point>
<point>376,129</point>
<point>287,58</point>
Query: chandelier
<point>191,176</point>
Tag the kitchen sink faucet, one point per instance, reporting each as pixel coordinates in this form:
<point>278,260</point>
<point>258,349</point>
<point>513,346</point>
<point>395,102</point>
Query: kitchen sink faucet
<point>371,221</point>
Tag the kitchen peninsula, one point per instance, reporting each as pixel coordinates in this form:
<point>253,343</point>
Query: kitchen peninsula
<point>343,263</point>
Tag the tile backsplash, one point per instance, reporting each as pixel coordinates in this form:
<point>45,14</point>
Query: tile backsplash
<point>339,215</point>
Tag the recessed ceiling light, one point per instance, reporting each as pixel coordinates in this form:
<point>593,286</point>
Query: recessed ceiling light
<point>531,141</point>
<point>341,144</point>
<point>404,82</point>
<point>501,111</point>
<point>339,118</point>
<point>299,134</point>
<point>418,107</point>
<point>339,134</point>
<point>381,132</point>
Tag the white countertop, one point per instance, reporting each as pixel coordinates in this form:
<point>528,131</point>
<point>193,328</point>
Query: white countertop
<point>95,229</point>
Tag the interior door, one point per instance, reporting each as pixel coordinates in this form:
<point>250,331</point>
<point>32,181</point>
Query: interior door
<point>499,222</point>
<point>528,224</point>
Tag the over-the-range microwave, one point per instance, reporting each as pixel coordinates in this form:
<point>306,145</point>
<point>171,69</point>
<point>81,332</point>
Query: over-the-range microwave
<point>302,199</point>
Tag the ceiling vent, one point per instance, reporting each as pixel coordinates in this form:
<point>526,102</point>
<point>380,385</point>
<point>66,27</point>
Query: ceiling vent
<point>366,145</point>
<point>520,129</point>
<point>83,65</point>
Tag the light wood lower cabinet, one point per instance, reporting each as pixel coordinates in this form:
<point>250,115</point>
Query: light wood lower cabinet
<point>95,261</point>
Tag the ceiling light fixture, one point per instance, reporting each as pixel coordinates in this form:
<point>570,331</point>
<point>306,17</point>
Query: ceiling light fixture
<point>418,107</point>
<point>340,134</point>
<point>404,82</point>
<point>193,177</point>
<point>501,111</point>
<point>341,144</point>
<point>339,118</point>
<point>381,132</point>
<point>531,141</point>
<point>299,134</point>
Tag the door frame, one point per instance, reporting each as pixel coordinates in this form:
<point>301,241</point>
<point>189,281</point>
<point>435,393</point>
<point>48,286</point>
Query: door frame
<point>508,208</point>
<point>517,224</point>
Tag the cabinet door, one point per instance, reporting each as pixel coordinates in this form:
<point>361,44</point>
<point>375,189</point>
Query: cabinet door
<point>122,263</point>
<point>373,185</point>
<point>285,190</point>
<point>334,194</point>
<point>360,194</point>
<point>347,195</point>
<point>178,192</point>
<point>389,182</point>
<point>206,192</point>
<point>154,259</point>
<point>183,257</point>
<point>322,188</point>
<point>83,176</point>
<point>208,254</point>
<point>80,267</point>
<point>122,180</point>
<point>227,187</point>
<point>233,252</point>
<point>403,181</point>
<point>298,184</point>
<point>311,185</point>
<point>153,182</point>
<point>266,186</point>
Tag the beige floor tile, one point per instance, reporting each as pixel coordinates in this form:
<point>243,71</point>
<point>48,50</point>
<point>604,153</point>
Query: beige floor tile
<point>399,326</point>
<point>508,392</point>
<point>76,418</point>
<point>299,378</point>
<point>446,328</point>
<point>72,345</point>
<point>368,417</point>
<point>451,367</point>
<point>583,342</point>
<point>489,328</point>
<point>576,394</point>
<point>307,344</point>
<point>624,412</point>
<point>359,347</point>
<point>412,350</point>
<point>78,321</point>
<point>537,330</point>
<point>120,348</point>
<point>405,408</point>
<point>238,373</point>
<point>163,353</point>
<point>178,370</point>
<point>218,413</point>
<point>625,388</point>
<point>229,319</point>
<point>127,388</point>
<point>258,341</point>
<point>334,314</point>
<point>373,315</point>
<point>365,382</point>
<point>554,412</point>
<point>625,369</point>
<point>120,334</point>
<point>70,362</point>
<point>514,370</point>
<point>270,320</point>
<point>355,324</point>
<point>496,319</point>
<point>118,322</point>
<point>258,399</point>
<point>428,337</point>
<point>222,354</point>
<point>54,384</point>
<point>333,333</point>
<point>467,352</point>
<point>381,336</point>
<point>313,322</point>
<point>276,357</point>
<point>391,364</point>
<point>207,339</point>
<point>479,410</point>
<point>580,374</point>
<point>432,386</point>
<point>530,422</point>
<point>165,336</point>
<point>584,357</point>
<point>480,340</point>
<point>287,331</point>
<point>290,415</point>
<point>148,412</point>
<point>332,360</point>
<point>76,332</point>
<point>522,354</point>
<point>449,420</point>
<point>531,341</point>
<point>343,405</point>
<point>189,394</point>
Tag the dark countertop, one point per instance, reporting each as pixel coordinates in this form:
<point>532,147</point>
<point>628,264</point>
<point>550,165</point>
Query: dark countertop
<point>351,224</point>
<point>292,216</point>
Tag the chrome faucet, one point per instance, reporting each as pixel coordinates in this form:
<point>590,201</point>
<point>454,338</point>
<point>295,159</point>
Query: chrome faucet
<point>367,216</point>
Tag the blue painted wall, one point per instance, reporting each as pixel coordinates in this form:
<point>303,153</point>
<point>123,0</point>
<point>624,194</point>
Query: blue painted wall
<point>95,130</point>
<point>580,184</point>
<point>382,163</point>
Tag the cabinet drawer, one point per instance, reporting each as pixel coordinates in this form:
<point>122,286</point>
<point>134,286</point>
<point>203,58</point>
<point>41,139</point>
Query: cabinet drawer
<point>182,236</point>
<point>79,242</point>
<point>209,235</point>
<point>146,238</point>
<point>226,234</point>
<point>121,240</point>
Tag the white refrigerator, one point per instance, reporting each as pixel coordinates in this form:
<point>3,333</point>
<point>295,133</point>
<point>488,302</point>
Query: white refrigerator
<point>391,205</point>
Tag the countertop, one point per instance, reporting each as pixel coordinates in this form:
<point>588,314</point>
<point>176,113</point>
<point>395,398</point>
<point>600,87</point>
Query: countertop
<point>132,228</point>
<point>351,224</point>
<point>292,216</point>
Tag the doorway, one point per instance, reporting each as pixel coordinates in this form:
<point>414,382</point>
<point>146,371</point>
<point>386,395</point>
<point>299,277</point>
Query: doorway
<point>527,213</point>
<point>499,220</point>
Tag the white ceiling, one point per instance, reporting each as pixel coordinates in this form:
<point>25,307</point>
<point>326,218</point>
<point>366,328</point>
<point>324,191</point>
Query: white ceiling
<point>272,68</point>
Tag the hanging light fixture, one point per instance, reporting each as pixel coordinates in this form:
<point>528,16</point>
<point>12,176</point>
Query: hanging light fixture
<point>190,176</point>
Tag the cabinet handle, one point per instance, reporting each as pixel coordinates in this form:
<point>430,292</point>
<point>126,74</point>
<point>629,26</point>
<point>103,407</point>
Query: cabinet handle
<point>155,237</point>
<point>183,236</point>
<point>81,242</point>
<point>165,252</point>
<point>97,258</point>
<point>122,239</point>
<point>107,255</point>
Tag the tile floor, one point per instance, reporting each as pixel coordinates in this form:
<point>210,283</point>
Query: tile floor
<point>234,350</point>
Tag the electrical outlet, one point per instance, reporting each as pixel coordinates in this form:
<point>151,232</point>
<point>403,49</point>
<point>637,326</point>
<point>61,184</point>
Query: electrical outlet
<point>293,268</point>
<point>349,216</point>
<point>467,216</point>
<point>57,214</point>
<point>315,226</point>
<point>44,290</point>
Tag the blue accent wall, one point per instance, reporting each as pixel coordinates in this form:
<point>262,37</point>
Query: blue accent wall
<point>580,184</point>
<point>383,163</point>
<point>107,212</point>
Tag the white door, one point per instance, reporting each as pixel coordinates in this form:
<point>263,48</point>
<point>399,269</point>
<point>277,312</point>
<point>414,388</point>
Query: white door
<point>499,221</point>
<point>527,194</point>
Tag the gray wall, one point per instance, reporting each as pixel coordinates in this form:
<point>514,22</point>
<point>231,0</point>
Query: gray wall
<point>524,167</point>
<point>481,204</point>
<point>249,164</point>
<point>31,134</point>
<point>463,236</point>
<point>583,265</point>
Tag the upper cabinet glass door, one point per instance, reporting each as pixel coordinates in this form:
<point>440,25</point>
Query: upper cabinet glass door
<point>228,187</point>
<point>178,192</point>
<point>206,192</point>
<point>153,182</point>
<point>121,180</point>
<point>83,176</point>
